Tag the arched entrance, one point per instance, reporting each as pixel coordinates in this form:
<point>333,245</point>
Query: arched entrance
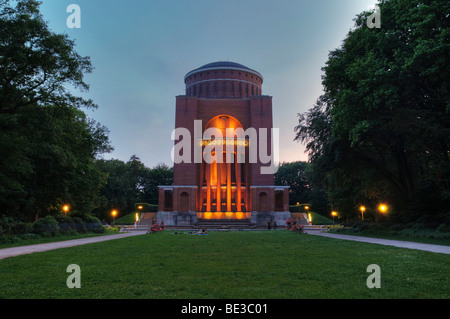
<point>224,171</point>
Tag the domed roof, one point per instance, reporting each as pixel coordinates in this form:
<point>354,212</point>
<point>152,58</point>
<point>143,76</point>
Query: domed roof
<point>221,65</point>
<point>225,64</point>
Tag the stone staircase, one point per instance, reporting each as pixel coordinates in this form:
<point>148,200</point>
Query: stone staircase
<point>146,219</point>
<point>217,224</point>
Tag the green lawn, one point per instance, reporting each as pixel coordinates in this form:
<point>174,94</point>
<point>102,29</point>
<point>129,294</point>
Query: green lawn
<point>258,264</point>
<point>44,240</point>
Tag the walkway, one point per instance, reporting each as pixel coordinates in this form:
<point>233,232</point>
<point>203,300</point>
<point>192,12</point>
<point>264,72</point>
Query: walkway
<point>23,250</point>
<point>397,243</point>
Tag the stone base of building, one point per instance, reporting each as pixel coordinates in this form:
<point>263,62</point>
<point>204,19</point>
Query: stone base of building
<point>177,218</point>
<point>190,219</point>
<point>262,219</point>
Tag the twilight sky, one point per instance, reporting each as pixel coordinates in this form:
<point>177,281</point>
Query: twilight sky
<point>142,49</point>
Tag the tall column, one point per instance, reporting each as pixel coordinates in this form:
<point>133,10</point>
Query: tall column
<point>228,185</point>
<point>238,185</point>
<point>200,195</point>
<point>247,188</point>
<point>208,187</point>
<point>219,189</point>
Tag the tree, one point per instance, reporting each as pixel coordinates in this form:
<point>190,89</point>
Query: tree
<point>48,145</point>
<point>294,175</point>
<point>381,131</point>
<point>160,175</point>
<point>130,183</point>
<point>36,64</point>
<point>121,190</point>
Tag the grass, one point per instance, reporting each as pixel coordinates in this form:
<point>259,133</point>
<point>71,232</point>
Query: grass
<point>317,219</point>
<point>128,219</point>
<point>222,265</point>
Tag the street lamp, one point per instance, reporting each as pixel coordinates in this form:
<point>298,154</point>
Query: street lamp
<point>383,208</point>
<point>334,214</point>
<point>362,209</point>
<point>65,209</point>
<point>114,213</point>
<point>298,207</point>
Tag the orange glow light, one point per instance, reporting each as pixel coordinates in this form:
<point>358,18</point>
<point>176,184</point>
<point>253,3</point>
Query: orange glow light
<point>383,208</point>
<point>208,215</point>
<point>239,215</point>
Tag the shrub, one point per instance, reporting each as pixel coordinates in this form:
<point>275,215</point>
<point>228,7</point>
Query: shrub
<point>29,236</point>
<point>292,225</point>
<point>6,225</point>
<point>21,228</point>
<point>47,226</point>
<point>80,226</point>
<point>66,224</point>
<point>443,228</point>
<point>156,227</point>
<point>10,226</point>
<point>93,224</point>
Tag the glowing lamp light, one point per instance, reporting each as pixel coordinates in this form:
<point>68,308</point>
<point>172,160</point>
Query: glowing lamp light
<point>114,214</point>
<point>306,207</point>
<point>383,208</point>
<point>140,207</point>
<point>66,208</point>
<point>362,209</point>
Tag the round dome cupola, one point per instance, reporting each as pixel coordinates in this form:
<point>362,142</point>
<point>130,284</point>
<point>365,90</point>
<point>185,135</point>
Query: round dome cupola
<point>223,80</point>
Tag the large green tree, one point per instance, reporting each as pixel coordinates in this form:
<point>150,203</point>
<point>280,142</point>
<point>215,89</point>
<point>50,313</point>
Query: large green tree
<point>128,183</point>
<point>381,131</point>
<point>48,145</point>
<point>297,176</point>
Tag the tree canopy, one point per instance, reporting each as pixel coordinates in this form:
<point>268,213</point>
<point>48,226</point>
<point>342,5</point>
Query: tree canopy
<point>381,130</point>
<point>48,145</point>
<point>128,183</point>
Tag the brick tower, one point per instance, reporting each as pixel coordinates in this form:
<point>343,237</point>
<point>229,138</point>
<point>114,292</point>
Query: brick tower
<point>230,185</point>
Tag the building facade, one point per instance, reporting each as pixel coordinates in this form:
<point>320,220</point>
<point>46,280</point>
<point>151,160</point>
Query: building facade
<point>222,169</point>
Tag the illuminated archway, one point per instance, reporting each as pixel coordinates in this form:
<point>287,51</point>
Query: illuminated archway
<point>223,180</point>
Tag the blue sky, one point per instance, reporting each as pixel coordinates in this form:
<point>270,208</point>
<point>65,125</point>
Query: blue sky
<point>142,49</point>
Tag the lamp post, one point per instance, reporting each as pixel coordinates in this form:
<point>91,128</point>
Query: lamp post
<point>298,207</point>
<point>114,213</point>
<point>66,209</point>
<point>334,214</point>
<point>362,209</point>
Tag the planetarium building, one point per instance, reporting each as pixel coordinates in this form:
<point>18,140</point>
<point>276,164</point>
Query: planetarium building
<point>223,179</point>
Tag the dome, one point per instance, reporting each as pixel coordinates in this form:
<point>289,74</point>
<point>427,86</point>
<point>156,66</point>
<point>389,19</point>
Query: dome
<point>223,79</point>
<point>223,65</point>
